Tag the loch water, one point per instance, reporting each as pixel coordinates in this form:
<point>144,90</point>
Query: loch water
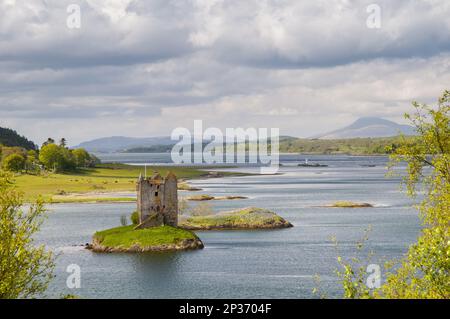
<point>245,264</point>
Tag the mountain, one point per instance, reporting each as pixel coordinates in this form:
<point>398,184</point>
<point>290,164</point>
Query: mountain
<point>122,143</point>
<point>10,137</point>
<point>369,127</point>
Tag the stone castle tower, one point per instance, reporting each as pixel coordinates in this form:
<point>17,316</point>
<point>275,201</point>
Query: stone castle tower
<point>157,201</point>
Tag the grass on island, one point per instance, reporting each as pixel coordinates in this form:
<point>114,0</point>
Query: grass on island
<point>200,197</point>
<point>126,237</point>
<point>348,204</point>
<point>183,186</point>
<point>247,218</point>
<point>205,197</point>
<point>103,178</point>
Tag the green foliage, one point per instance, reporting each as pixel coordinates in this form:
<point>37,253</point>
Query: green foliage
<point>51,157</point>
<point>83,158</point>
<point>5,151</point>
<point>135,218</point>
<point>126,237</point>
<point>25,269</point>
<point>348,204</point>
<point>59,158</point>
<point>352,272</point>
<point>32,164</point>
<point>14,163</point>
<point>10,137</point>
<point>353,146</point>
<point>424,271</point>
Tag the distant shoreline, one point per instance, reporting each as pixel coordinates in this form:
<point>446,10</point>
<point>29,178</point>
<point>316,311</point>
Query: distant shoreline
<point>85,185</point>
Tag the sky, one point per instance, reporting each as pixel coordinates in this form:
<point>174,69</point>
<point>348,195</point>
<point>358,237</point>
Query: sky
<point>143,68</point>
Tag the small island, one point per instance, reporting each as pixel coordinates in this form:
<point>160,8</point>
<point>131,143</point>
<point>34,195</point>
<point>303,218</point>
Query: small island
<point>242,219</point>
<point>158,227</point>
<point>200,198</point>
<point>155,223</point>
<point>348,204</point>
<point>129,239</point>
<point>184,186</point>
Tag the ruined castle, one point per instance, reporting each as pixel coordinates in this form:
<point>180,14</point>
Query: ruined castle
<point>157,201</point>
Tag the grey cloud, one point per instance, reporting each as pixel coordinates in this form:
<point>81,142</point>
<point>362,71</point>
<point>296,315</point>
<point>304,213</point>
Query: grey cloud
<point>69,111</point>
<point>231,62</point>
<point>269,34</point>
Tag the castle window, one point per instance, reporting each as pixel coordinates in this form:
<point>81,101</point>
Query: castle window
<point>156,193</point>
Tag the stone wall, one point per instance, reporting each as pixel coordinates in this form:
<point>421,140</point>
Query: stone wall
<point>159,196</point>
<point>171,201</point>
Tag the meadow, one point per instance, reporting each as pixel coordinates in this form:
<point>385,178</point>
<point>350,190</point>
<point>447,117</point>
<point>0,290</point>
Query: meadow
<point>105,178</point>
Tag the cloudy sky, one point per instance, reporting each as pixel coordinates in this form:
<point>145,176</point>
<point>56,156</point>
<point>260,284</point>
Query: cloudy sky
<point>143,68</point>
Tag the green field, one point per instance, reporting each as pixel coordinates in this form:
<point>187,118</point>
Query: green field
<point>104,178</point>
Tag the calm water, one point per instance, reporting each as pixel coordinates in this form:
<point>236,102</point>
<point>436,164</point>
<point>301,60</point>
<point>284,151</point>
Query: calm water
<point>245,264</point>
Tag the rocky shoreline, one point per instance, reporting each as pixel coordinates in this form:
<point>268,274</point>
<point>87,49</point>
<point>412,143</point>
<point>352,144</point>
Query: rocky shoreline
<point>127,239</point>
<point>186,244</point>
<point>240,227</point>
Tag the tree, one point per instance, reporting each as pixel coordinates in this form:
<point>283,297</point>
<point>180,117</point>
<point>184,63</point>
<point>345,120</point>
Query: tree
<point>59,158</point>
<point>32,162</point>
<point>14,163</point>
<point>49,141</point>
<point>51,157</point>
<point>424,271</point>
<point>25,269</point>
<point>63,142</point>
<point>10,137</point>
<point>82,157</point>
<point>68,159</point>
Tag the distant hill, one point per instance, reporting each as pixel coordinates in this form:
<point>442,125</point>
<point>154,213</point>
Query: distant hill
<point>369,127</point>
<point>121,143</point>
<point>350,146</point>
<point>9,137</point>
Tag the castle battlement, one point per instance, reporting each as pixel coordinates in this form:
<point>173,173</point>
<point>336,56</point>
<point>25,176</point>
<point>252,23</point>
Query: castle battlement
<point>157,201</point>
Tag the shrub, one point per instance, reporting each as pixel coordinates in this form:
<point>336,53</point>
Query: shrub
<point>14,163</point>
<point>25,268</point>
<point>135,218</point>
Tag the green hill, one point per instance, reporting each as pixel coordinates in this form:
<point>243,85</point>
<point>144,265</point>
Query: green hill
<point>353,146</point>
<point>10,137</point>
